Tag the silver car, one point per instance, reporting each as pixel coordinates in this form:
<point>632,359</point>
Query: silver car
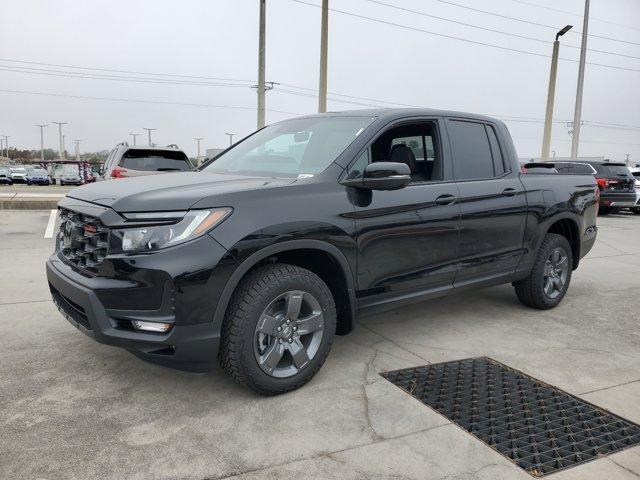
<point>135,160</point>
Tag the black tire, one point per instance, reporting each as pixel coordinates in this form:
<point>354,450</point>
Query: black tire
<point>531,291</point>
<point>636,211</point>
<point>253,295</point>
<point>602,210</point>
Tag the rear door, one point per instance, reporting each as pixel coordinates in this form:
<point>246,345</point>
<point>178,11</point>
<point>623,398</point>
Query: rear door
<point>492,202</point>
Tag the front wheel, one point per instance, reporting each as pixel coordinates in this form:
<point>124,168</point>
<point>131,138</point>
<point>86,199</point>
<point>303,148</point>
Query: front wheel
<point>636,210</point>
<point>278,329</point>
<point>547,284</point>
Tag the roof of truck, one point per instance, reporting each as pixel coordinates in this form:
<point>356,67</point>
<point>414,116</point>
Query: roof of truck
<point>398,113</point>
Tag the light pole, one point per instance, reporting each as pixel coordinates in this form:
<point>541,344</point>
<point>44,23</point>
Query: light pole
<point>61,141</point>
<point>134,135</point>
<point>261,63</point>
<point>575,141</point>
<point>230,135</point>
<point>197,139</point>
<point>149,130</point>
<point>77,142</point>
<point>42,127</point>
<point>324,41</point>
<point>6,144</point>
<point>548,119</point>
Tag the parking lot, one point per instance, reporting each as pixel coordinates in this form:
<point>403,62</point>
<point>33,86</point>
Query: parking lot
<point>72,408</point>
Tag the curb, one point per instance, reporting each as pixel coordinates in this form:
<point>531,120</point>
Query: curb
<point>31,204</point>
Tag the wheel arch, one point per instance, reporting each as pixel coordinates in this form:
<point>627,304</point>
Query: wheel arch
<point>309,254</point>
<point>568,227</point>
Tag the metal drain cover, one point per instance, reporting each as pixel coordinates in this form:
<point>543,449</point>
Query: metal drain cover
<point>538,427</point>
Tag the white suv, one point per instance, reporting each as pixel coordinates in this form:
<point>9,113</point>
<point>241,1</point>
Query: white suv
<point>635,171</point>
<point>136,160</point>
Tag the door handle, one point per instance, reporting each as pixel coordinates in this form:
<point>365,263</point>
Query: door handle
<point>509,192</point>
<point>446,199</point>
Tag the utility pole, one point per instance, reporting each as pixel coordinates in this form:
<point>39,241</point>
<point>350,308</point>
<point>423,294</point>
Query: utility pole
<point>548,119</point>
<point>230,135</point>
<point>575,141</point>
<point>1,146</point>
<point>324,43</point>
<point>134,135</point>
<point>197,139</point>
<point>41,141</point>
<point>149,130</point>
<point>64,145</point>
<point>77,142</point>
<point>61,141</point>
<point>261,63</point>
<point>627,161</point>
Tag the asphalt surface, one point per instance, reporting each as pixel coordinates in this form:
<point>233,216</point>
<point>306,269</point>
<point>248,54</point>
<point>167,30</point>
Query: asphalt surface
<point>74,409</point>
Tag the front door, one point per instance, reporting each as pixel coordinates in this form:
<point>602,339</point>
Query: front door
<point>407,239</point>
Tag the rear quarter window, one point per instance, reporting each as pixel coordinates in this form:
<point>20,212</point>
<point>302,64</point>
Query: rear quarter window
<point>155,160</point>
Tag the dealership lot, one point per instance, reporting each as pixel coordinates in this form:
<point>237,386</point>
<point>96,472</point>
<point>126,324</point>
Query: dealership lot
<point>71,408</point>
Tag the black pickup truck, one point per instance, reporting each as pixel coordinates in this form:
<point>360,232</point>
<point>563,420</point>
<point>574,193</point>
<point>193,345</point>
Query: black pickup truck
<point>259,258</point>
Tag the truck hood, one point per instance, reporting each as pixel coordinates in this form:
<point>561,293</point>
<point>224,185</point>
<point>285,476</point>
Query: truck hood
<point>170,191</point>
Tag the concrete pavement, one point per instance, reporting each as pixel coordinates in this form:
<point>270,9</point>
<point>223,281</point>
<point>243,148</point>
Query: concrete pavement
<point>73,409</point>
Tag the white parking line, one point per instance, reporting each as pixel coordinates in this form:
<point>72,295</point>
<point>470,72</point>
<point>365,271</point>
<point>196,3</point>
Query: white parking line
<point>48,233</point>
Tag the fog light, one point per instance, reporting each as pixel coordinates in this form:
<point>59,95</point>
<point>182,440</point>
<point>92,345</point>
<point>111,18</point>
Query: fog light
<point>152,326</point>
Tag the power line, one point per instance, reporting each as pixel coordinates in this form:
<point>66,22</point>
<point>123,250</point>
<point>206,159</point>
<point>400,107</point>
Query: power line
<point>466,40</point>
<point>487,29</point>
<point>127,71</point>
<point>90,76</point>
<point>521,20</point>
<point>133,100</point>
<point>531,4</point>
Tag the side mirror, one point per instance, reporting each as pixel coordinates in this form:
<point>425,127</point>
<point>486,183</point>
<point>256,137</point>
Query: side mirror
<point>383,176</point>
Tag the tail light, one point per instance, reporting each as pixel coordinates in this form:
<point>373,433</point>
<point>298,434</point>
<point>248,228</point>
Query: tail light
<point>603,182</point>
<point>118,172</point>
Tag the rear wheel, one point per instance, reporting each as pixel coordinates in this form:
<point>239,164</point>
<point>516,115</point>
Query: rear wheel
<point>636,210</point>
<point>602,210</point>
<point>547,284</point>
<point>278,329</point>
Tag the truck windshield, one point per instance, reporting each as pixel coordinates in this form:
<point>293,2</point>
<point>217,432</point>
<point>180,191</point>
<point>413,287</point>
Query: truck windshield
<point>292,147</point>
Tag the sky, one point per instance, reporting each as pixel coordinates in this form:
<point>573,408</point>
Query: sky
<point>197,59</point>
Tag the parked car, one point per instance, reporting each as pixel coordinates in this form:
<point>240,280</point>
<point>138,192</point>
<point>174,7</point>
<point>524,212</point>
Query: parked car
<point>268,251</point>
<point>18,175</point>
<point>71,178</point>
<point>38,176</point>
<point>617,186</point>
<point>635,171</point>
<point>5,176</point>
<point>134,161</point>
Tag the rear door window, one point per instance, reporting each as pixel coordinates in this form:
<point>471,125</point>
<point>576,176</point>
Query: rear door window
<point>155,160</point>
<point>472,159</point>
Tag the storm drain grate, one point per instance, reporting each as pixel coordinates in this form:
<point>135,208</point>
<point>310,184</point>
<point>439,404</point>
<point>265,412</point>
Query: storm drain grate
<point>538,427</point>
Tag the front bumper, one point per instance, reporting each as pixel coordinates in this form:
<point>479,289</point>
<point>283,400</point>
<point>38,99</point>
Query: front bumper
<point>191,347</point>
<point>38,181</point>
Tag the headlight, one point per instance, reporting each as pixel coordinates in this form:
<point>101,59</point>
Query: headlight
<point>187,226</point>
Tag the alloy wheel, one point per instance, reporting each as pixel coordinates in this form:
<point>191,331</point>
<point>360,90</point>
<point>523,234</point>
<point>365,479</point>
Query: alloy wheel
<point>288,333</point>
<point>556,271</point>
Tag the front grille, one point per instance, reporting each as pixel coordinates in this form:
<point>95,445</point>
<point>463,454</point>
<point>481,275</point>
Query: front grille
<point>82,241</point>
<point>70,308</point>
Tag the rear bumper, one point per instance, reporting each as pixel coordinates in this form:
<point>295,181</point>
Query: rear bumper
<point>185,347</point>
<point>618,199</point>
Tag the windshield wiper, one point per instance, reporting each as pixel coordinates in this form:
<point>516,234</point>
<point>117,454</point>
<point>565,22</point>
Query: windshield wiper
<point>168,169</point>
